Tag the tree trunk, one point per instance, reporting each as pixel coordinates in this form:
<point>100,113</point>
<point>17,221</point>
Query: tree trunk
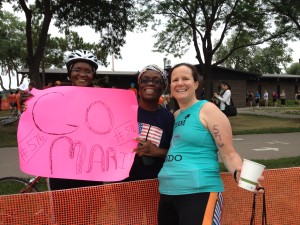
<point>206,71</point>
<point>34,75</point>
<point>35,57</point>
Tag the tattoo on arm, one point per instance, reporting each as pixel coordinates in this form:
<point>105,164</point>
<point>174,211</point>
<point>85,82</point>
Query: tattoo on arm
<point>217,136</point>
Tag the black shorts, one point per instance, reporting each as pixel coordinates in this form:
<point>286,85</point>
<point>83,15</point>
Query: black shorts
<point>191,209</point>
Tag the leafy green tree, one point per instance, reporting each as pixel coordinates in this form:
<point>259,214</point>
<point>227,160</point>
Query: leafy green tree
<point>287,15</point>
<point>101,15</point>
<point>205,24</point>
<point>271,59</point>
<point>294,69</point>
<point>12,54</point>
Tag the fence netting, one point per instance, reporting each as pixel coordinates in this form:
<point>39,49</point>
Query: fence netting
<point>135,203</point>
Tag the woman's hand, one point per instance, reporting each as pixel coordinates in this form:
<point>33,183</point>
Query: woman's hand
<point>259,188</point>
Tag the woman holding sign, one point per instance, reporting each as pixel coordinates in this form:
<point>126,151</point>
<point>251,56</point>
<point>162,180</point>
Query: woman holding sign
<point>190,185</point>
<point>81,66</point>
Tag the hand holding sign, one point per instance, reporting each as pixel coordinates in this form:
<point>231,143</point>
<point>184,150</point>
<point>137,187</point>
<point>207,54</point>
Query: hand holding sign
<point>78,133</point>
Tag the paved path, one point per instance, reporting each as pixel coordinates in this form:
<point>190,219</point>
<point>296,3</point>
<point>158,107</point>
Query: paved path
<point>9,162</point>
<point>267,146</point>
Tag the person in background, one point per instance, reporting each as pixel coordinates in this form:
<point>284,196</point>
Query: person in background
<point>57,83</point>
<point>190,184</point>
<point>282,98</point>
<point>257,99</point>
<point>266,98</point>
<point>161,100</point>
<point>214,99</point>
<point>225,97</point>
<point>49,85</point>
<point>166,99</point>
<point>11,99</point>
<point>31,85</point>
<point>1,96</point>
<point>155,125</point>
<point>18,101</point>
<point>274,98</point>
<point>81,67</point>
<point>297,97</point>
<point>250,96</point>
<point>132,88</point>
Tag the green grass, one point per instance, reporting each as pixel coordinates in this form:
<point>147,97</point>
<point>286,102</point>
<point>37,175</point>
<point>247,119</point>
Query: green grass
<point>254,124</point>
<point>8,134</point>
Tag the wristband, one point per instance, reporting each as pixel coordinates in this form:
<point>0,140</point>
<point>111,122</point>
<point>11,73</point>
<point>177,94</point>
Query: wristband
<point>235,176</point>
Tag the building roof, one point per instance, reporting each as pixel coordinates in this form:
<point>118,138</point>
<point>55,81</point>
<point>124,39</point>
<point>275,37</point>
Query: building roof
<point>64,71</point>
<point>224,70</point>
<point>287,76</point>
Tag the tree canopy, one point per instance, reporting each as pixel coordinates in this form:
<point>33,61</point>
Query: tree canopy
<point>12,54</point>
<point>206,25</point>
<point>287,15</point>
<point>103,16</point>
<point>294,69</point>
<point>272,59</point>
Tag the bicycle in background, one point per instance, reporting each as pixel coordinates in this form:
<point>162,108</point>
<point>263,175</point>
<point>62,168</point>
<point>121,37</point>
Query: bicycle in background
<point>17,185</point>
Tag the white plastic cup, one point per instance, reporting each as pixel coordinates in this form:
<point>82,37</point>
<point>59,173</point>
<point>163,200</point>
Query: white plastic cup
<point>250,173</point>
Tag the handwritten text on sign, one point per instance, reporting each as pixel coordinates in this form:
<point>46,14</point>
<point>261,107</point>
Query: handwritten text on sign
<point>78,133</point>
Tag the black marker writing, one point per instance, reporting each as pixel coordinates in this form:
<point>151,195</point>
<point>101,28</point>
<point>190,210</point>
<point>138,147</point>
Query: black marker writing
<point>218,136</point>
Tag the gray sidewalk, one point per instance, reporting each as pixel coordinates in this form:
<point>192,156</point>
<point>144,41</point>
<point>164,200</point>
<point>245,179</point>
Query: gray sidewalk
<point>9,163</point>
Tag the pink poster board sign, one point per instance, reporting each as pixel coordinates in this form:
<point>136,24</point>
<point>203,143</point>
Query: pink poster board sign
<point>78,133</point>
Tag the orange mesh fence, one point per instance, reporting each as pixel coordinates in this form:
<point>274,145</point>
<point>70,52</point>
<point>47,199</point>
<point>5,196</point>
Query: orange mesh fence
<point>121,203</point>
<point>135,203</point>
<point>282,188</point>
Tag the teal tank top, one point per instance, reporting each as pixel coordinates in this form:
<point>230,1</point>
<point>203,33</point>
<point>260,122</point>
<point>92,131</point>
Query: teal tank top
<point>191,165</point>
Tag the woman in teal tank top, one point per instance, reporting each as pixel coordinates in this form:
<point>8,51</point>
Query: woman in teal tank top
<point>190,185</point>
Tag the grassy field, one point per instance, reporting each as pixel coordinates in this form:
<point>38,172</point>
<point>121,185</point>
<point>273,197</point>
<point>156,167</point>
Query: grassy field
<point>8,133</point>
<point>255,124</point>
